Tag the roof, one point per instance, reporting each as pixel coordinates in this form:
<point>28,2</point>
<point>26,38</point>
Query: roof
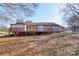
<point>41,23</point>
<point>38,23</point>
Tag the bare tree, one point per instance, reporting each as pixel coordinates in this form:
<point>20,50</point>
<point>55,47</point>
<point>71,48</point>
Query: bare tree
<point>11,11</point>
<point>71,14</point>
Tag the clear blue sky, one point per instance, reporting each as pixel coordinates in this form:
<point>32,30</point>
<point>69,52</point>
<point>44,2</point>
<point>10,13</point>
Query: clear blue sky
<point>48,12</point>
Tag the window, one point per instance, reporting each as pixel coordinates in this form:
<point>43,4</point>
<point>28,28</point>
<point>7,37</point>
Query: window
<point>40,28</point>
<point>55,28</point>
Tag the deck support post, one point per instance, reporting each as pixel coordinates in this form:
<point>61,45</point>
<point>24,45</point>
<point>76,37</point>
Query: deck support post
<point>21,33</point>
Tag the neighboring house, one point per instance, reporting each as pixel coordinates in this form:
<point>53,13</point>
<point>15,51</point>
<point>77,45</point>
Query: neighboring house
<point>67,29</point>
<point>74,27</point>
<point>35,27</point>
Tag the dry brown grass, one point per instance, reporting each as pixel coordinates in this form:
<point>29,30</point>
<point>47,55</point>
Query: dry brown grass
<point>54,44</point>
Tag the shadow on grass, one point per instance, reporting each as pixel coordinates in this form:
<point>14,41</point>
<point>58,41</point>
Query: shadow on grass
<point>5,36</point>
<point>11,35</point>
